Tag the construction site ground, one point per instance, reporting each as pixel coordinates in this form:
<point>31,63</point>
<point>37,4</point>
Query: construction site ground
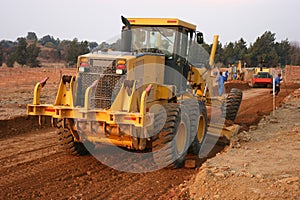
<point>261,162</point>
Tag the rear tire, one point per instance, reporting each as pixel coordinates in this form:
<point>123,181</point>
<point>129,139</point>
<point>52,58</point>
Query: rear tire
<point>171,144</point>
<point>66,139</point>
<point>200,126</point>
<point>232,104</point>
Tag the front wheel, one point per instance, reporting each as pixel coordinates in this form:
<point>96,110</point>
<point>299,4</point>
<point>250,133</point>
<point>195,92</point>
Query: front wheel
<point>171,144</point>
<point>65,127</point>
<point>201,124</point>
<point>232,104</point>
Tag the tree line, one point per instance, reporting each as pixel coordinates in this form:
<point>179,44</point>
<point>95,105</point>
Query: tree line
<point>265,51</point>
<point>27,50</point>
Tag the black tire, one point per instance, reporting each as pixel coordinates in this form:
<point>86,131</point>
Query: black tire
<point>199,124</point>
<point>170,145</point>
<point>232,104</point>
<point>66,139</point>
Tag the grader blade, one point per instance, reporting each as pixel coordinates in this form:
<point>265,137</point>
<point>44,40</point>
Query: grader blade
<point>222,131</point>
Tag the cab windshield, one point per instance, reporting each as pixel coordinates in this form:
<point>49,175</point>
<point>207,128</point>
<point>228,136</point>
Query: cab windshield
<point>154,39</point>
<point>176,43</point>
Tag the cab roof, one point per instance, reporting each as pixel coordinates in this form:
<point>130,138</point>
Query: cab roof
<point>161,22</point>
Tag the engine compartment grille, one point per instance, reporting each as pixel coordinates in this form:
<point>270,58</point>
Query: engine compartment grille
<point>108,85</point>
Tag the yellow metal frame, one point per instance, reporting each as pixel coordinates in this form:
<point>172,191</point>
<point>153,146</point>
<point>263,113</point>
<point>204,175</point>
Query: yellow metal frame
<point>161,22</point>
<point>63,108</point>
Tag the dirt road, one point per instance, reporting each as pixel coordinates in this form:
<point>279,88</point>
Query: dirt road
<point>33,166</point>
<point>260,164</point>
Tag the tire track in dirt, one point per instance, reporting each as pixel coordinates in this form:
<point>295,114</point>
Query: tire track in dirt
<point>24,148</point>
<point>25,170</point>
<point>58,175</point>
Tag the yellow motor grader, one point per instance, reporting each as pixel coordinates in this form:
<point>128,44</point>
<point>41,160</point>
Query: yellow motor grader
<point>151,94</point>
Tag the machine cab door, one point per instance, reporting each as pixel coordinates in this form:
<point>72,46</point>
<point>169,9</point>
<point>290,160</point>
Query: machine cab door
<point>178,66</point>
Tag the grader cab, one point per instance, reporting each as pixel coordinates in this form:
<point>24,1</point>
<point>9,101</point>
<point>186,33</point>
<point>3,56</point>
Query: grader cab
<point>150,95</point>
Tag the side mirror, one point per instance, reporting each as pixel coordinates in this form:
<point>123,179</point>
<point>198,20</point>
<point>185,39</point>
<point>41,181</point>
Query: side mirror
<point>126,40</point>
<point>200,39</point>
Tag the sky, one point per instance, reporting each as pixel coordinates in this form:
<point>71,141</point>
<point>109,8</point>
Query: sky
<point>100,20</point>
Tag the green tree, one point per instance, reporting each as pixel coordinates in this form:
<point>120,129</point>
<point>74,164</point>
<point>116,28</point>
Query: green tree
<point>283,50</point>
<point>240,49</point>
<point>71,56</point>
<point>21,53</point>
<point>263,51</point>
<point>48,38</point>
<point>11,58</point>
<point>75,49</point>
<point>103,46</point>
<point>64,45</point>
<point>229,56</point>
<point>9,51</point>
<point>93,45</point>
<point>233,52</point>
<point>49,45</point>
<point>83,47</point>
<point>32,53</point>
<point>31,36</point>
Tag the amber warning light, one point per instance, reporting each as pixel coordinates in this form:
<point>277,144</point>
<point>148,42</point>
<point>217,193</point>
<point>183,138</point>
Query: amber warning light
<point>84,62</point>
<point>121,67</point>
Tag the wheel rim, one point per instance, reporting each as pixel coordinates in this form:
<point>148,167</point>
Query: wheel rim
<point>201,128</point>
<point>181,138</point>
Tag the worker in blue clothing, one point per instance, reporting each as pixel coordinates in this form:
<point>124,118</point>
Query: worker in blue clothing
<point>220,81</point>
<point>278,79</point>
<point>226,76</point>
